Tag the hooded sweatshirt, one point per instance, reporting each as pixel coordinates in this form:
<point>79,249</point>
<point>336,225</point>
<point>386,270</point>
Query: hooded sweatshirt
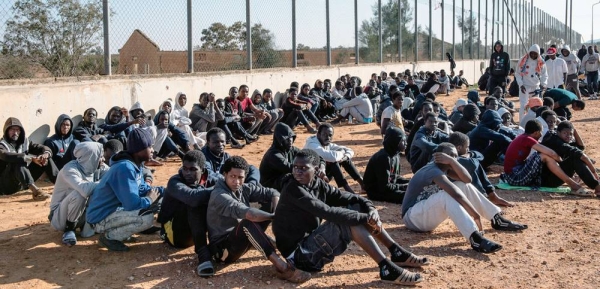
<point>179,195</point>
<point>62,146</point>
<point>278,160</point>
<point>121,188</point>
<point>423,145</point>
<point>18,152</point>
<point>214,166</point>
<point>179,115</point>
<point>116,130</point>
<point>531,72</point>
<point>382,175</point>
<point>479,177</point>
<point>573,62</point>
<point>499,61</point>
<point>465,124</point>
<point>331,153</point>
<point>590,62</point>
<point>77,176</point>
<point>488,130</point>
<point>362,104</point>
<point>203,119</point>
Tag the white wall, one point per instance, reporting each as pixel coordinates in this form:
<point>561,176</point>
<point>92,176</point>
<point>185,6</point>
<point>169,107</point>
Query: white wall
<point>37,103</point>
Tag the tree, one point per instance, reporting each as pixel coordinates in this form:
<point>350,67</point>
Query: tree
<point>304,47</point>
<point>219,36</point>
<point>469,25</point>
<point>368,34</point>
<point>58,34</point>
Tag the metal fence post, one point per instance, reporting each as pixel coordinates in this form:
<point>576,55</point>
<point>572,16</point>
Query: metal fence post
<point>105,23</point>
<point>462,31</point>
<point>571,25</point>
<point>294,46</point>
<point>485,49</point>
<point>248,36</point>
<point>493,21</point>
<point>356,50</point>
<point>400,23</point>
<point>503,22</point>
<point>380,31</point>
<point>189,38</point>
<point>471,32</point>
<point>328,28</point>
<point>479,29</point>
<point>416,34</point>
<point>443,43</point>
<point>454,28</point>
<point>531,24</point>
<point>430,41</point>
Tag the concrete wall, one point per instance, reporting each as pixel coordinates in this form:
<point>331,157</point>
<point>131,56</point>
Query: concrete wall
<point>37,103</point>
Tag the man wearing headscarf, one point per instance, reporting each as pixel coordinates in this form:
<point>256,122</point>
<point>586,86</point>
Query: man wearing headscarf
<point>531,74</point>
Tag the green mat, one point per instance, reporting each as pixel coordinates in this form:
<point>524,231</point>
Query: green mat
<point>561,190</point>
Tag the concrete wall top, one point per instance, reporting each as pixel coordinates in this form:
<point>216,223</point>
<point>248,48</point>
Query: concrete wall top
<point>38,102</point>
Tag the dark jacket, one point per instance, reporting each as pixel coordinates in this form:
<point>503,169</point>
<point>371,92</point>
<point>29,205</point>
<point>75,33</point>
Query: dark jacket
<point>116,130</point>
<point>423,146</point>
<point>483,81</point>
<point>278,160</point>
<point>179,195</point>
<point>465,123</point>
<point>486,131</point>
<point>581,53</point>
<point>563,149</point>
<point>382,175</point>
<point>85,131</point>
<point>302,209</point>
<point>479,177</point>
<point>62,146</point>
<point>17,152</point>
<point>429,84</point>
<point>499,62</point>
<point>385,102</point>
<point>214,166</point>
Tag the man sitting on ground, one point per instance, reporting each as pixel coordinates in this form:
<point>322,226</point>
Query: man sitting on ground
<point>469,119</point>
<point>383,179</point>
<point>183,210</point>
<point>313,215</point>
<point>62,143</point>
<point>336,156</point>
<point>425,142</point>
<point>392,116</point>
<point>122,204</point>
<point>431,198</point>
<point>234,226</point>
<point>487,138</point>
<point>74,185</point>
<point>22,162</point>
<point>87,130</point>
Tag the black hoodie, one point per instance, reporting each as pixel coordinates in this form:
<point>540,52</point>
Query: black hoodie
<point>17,152</point>
<point>62,146</point>
<point>278,160</point>
<point>466,124</point>
<point>382,175</point>
<point>499,62</point>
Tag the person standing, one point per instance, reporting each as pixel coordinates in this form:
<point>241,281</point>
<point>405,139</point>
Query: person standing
<point>531,75</point>
<point>557,69</point>
<point>573,64</point>
<point>499,66</point>
<point>590,65</point>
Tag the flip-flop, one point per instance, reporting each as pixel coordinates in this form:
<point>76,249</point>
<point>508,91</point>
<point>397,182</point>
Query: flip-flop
<point>413,261</point>
<point>582,192</point>
<point>406,278</point>
<point>205,269</point>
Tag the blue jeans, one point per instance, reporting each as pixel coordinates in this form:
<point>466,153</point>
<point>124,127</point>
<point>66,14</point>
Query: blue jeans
<point>592,81</point>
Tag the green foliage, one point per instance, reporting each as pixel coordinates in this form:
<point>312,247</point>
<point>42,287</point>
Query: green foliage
<point>57,34</point>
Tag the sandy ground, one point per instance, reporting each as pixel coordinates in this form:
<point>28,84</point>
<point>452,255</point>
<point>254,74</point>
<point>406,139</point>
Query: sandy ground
<point>559,250</point>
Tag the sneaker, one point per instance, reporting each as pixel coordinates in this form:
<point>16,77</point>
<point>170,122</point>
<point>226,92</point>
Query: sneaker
<point>112,245</point>
<point>69,238</point>
<point>294,275</point>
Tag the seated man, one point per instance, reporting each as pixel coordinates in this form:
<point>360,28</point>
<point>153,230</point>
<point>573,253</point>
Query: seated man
<point>335,156</point>
<point>296,111</point>
<point>234,226</point>
<point>383,179</point>
<point>74,185</point>
<point>277,161</point>
<point>252,116</point>
<point>226,122</point>
<point>22,162</point>
<point>444,81</point>
<point>314,222</point>
<point>470,160</point>
<point>487,138</point>
<point>183,210</point>
<point>169,138</point>
<point>432,85</point>
<point>116,126</point>
<point>122,204</point>
<point>469,119</point>
<point>425,142</point>
<point>574,160</point>
<point>392,116</point>
<point>431,198</point>
<point>62,143</point>
<point>411,88</point>
<point>525,160</point>
<point>214,152</point>
<point>236,119</point>
<point>562,98</point>
<point>533,104</point>
<point>179,116</point>
<point>386,101</point>
<point>457,110</point>
<point>87,130</point>
<point>205,114</point>
<point>359,108</point>
<point>507,122</point>
<point>426,107</point>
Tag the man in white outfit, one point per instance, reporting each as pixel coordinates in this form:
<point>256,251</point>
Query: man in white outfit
<point>590,65</point>
<point>573,64</point>
<point>557,70</point>
<point>531,74</point>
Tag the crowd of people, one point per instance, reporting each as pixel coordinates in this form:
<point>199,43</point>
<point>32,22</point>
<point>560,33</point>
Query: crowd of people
<point>103,181</point>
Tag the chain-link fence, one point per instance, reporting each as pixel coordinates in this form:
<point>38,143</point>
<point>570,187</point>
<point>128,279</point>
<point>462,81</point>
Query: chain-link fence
<point>43,38</point>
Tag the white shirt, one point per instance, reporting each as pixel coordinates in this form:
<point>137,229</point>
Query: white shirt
<point>556,69</point>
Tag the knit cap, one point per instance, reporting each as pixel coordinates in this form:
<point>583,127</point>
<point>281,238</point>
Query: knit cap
<point>139,139</point>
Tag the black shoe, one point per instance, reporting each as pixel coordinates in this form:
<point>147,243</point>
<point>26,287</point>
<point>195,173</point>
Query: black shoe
<point>112,245</point>
<point>501,224</point>
<point>483,245</point>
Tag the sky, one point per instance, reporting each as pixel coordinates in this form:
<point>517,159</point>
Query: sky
<point>165,21</point>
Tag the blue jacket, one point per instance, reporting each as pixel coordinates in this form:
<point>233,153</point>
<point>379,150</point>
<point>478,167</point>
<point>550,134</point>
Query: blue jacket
<point>122,187</point>
<point>423,145</point>
<point>62,146</point>
<point>478,176</point>
<point>488,130</point>
<point>214,166</point>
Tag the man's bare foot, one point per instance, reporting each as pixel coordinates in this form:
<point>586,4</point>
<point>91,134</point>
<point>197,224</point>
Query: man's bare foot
<point>498,201</point>
<point>37,194</point>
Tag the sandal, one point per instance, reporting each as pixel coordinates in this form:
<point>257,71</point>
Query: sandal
<point>205,269</point>
<point>582,192</point>
<point>413,261</point>
<point>406,278</point>
<point>486,246</point>
<point>293,275</point>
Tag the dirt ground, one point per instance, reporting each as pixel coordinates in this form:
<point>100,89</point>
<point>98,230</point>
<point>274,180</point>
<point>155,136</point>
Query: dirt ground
<point>559,250</point>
